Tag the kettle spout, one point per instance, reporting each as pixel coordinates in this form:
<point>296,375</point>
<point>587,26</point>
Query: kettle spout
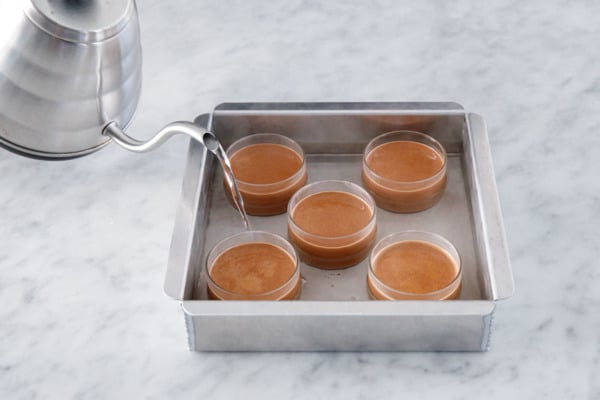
<point>196,132</point>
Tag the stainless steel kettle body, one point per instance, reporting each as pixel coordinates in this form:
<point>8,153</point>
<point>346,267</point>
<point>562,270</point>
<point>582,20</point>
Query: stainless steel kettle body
<point>67,69</point>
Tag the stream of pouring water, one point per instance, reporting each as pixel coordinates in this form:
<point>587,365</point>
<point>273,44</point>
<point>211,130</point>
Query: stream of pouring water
<point>214,146</point>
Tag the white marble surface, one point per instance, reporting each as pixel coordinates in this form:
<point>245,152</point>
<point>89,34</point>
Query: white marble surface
<point>83,316</point>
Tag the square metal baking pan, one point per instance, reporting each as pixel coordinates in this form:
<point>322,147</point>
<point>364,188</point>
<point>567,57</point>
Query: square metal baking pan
<point>334,311</point>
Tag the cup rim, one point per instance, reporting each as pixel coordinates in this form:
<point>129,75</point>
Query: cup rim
<point>409,295</point>
<point>289,143</point>
<point>295,274</point>
<point>370,202</point>
<point>436,146</point>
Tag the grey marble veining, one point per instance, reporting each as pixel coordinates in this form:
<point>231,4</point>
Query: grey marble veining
<point>83,243</point>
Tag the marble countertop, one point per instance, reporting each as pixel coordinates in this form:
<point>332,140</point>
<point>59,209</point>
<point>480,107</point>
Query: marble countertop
<point>84,243</point>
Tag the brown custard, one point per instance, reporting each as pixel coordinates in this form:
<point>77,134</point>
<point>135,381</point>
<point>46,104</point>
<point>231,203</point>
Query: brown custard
<point>251,270</point>
<point>332,229</point>
<point>404,175</point>
<point>404,161</point>
<point>414,268</point>
<point>268,174</point>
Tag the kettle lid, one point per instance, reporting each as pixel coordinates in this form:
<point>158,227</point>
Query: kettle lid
<point>81,21</point>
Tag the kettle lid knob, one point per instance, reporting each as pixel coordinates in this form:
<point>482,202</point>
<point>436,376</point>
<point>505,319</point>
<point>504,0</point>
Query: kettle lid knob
<point>81,21</point>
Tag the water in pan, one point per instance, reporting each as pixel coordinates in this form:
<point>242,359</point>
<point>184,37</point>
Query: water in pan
<point>451,218</point>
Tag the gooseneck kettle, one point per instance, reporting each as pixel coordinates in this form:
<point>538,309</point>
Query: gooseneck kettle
<point>70,78</point>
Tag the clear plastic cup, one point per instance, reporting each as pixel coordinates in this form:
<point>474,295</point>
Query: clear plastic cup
<point>407,195</point>
<point>260,272</point>
<point>394,275</point>
<point>267,197</point>
<point>332,251</point>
